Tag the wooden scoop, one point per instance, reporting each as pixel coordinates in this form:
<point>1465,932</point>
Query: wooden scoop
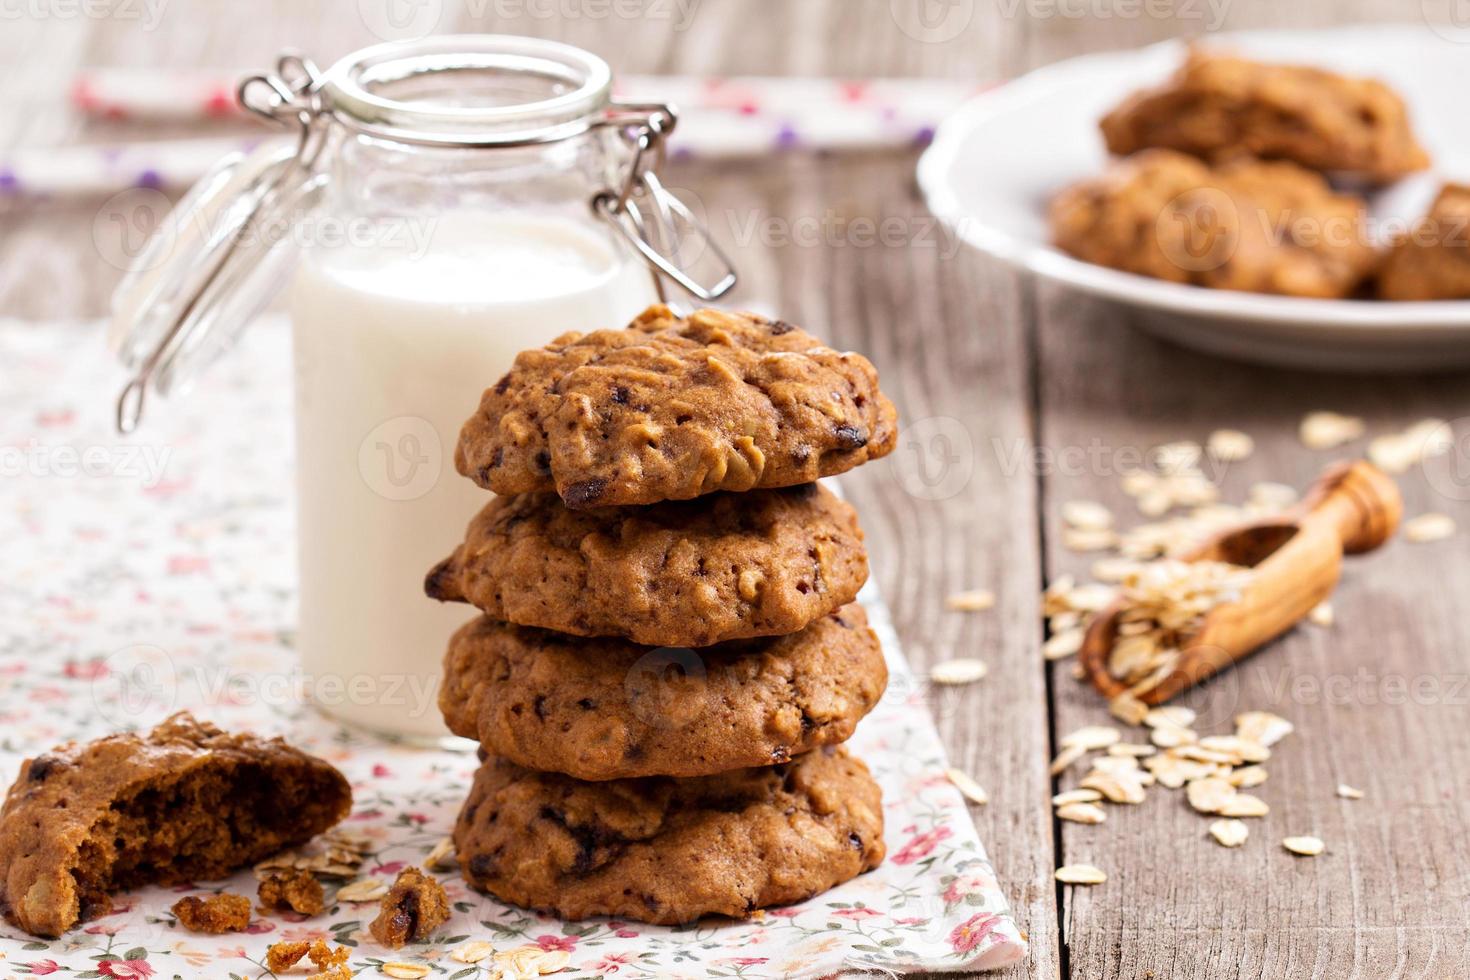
<point>1297,556</point>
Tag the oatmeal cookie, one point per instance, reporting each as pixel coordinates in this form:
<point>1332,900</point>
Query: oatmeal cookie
<point>670,850</point>
<point>1247,225</point>
<point>679,573</point>
<point>1218,107</point>
<point>1432,261</point>
<point>607,709</point>
<point>673,408</point>
<point>185,802</point>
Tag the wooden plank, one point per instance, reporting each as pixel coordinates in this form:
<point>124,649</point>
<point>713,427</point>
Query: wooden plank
<point>1389,896</point>
<point>941,514</point>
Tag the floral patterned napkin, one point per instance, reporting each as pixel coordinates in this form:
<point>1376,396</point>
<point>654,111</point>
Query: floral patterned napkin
<point>153,573</point>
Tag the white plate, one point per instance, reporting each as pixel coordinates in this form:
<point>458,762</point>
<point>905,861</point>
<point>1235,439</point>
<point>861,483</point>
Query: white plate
<point>996,162</point>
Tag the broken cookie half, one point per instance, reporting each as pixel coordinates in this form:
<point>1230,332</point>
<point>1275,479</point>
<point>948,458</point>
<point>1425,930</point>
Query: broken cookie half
<point>185,802</point>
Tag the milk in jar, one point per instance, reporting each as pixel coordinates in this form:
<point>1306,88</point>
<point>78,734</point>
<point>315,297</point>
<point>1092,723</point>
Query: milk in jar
<point>392,352</point>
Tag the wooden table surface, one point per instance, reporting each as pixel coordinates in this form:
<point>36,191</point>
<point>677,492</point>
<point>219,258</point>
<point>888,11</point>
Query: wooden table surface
<point>1016,396</point>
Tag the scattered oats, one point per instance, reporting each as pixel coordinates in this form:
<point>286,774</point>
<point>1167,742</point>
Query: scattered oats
<point>437,857</point>
<point>1230,833</point>
<point>472,952</point>
<point>1177,457</point>
<point>1170,714</point>
<point>363,890</point>
<point>1209,795</point>
<point>1429,527</point>
<point>1080,874</point>
<point>1065,758</point>
<point>553,961</point>
<point>1328,430</point>
<point>1093,738</point>
<point>1169,736</point>
<point>1240,749</point>
<point>1076,796</point>
<point>967,786</point>
<point>1065,644</point>
<point>1348,792</point>
<point>526,961</point>
<point>975,600</point>
<point>1173,772</point>
<point>1113,569</point>
<point>1306,846</point>
<point>1248,776</point>
<point>405,971</point>
<point>1116,764</point>
<point>278,862</point>
<point>1064,621</point>
<point>1198,753</point>
<point>1262,727</point>
<point>1127,709</point>
<point>1321,614</point>
<point>337,857</point>
<point>1270,496</point>
<point>1088,539</point>
<point>1091,598</point>
<point>1393,453</point>
<point>1055,597</point>
<point>963,670</point>
<point>1116,787</point>
<point>1088,515</point>
<point>1133,749</point>
<point>1089,813</point>
<point>347,840</point>
<point>1155,503</point>
<point>1136,483</point>
<point>1244,805</point>
<point>1230,445</point>
<point>1401,451</point>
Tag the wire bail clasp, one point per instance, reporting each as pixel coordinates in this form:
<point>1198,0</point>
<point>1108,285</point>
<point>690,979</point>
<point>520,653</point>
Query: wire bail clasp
<point>290,97</point>
<point>655,222</point>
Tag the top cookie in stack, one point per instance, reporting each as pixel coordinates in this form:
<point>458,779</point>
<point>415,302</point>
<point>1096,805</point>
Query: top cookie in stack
<point>618,543</point>
<point>670,409</point>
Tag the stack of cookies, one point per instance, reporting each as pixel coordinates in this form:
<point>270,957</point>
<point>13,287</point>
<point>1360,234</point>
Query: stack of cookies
<point>669,654</point>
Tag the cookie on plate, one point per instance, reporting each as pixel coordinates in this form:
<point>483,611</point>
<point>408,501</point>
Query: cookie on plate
<point>185,802</point>
<point>1246,225</point>
<point>680,573</point>
<point>605,708</point>
<point>670,850</point>
<point>672,408</point>
<point>1219,107</point>
<point>1432,260</point>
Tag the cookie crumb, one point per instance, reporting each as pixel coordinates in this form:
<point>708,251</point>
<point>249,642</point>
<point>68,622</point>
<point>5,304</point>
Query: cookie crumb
<point>414,907</point>
<point>215,914</point>
<point>331,963</point>
<point>282,956</point>
<point>296,891</point>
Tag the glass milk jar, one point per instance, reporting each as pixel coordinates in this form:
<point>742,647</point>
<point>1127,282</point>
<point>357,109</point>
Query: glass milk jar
<point>451,202</point>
